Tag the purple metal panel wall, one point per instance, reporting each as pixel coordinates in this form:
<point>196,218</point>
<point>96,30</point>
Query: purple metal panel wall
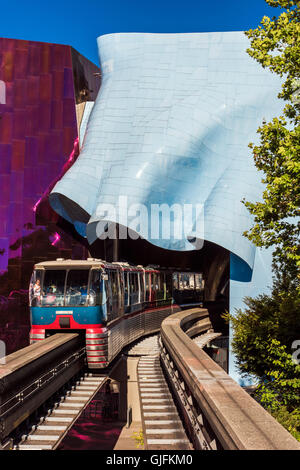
<point>37,133</point>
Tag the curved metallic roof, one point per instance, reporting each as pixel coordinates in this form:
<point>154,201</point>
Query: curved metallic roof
<point>171,125</point>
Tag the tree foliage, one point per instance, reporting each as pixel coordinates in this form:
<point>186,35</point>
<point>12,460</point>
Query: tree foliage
<point>280,386</point>
<point>263,335</point>
<point>264,318</point>
<point>264,331</point>
<point>290,420</point>
<point>275,44</point>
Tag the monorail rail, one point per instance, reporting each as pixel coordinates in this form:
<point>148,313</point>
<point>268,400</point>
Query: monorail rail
<point>32,374</point>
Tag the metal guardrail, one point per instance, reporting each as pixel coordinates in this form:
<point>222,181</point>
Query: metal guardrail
<point>217,412</point>
<point>33,374</point>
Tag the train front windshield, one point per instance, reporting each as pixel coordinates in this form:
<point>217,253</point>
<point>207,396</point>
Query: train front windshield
<point>66,288</point>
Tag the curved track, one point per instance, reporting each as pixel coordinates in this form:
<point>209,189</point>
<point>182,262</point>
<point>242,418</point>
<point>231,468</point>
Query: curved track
<point>54,425</point>
<point>162,426</point>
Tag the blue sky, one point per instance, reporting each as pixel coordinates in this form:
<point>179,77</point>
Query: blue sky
<point>79,22</point>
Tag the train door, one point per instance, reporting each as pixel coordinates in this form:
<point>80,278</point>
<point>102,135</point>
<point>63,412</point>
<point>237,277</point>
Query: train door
<point>121,292</point>
<point>154,287</point>
<point>114,282</point>
<point>134,289</point>
<point>176,288</point>
<point>192,287</point>
<point>95,292</point>
<point>142,287</point>
<point>147,287</point>
<point>160,287</point>
<point>109,296</point>
<point>126,291</point>
<point>199,285</point>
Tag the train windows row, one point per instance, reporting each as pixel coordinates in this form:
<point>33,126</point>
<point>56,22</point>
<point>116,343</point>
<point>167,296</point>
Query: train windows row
<point>79,287</point>
<point>182,281</point>
<point>132,288</point>
<point>60,288</point>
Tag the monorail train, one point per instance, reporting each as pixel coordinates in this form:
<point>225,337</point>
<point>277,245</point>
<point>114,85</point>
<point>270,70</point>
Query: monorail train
<point>111,304</point>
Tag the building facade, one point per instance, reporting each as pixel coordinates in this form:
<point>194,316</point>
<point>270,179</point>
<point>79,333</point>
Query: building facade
<point>40,85</point>
<point>171,125</point>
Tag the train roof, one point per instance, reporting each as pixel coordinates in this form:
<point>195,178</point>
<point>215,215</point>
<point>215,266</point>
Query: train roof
<point>99,263</point>
<point>90,262</point>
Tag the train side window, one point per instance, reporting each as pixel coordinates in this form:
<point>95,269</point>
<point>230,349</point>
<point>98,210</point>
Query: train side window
<point>154,283</point>
<point>108,293</point>
<point>131,288</point>
<point>126,288</point>
<point>113,294</point>
<point>134,288</point>
<point>165,287</point>
<point>114,287</point>
<point>175,281</point>
<point>185,277</point>
<point>95,294</point>
<point>147,287</point>
<point>161,286</point>
<point>137,286</point>
<point>119,284</point>
<point>141,287</point>
<point>180,281</point>
<point>198,281</point>
<point>120,292</point>
<point>168,286</point>
<point>192,281</point>
<point>35,288</point>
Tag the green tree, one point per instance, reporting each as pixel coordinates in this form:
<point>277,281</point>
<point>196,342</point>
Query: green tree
<point>279,389</point>
<point>260,354</point>
<point>264,331</point>
<point>275,44</point>
<point>263,318</point>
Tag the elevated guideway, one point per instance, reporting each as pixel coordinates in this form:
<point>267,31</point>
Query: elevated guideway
<point>53,426</point>
<point>43,390</point>
<point>186,400</point>
<point>33,374</point>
